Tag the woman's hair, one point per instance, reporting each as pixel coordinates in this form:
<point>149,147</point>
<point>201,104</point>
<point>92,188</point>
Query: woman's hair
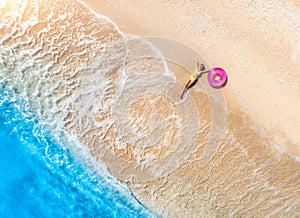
<point>202,67</point>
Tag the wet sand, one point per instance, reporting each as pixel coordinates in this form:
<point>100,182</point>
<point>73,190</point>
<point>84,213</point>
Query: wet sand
<point>255,172</point>
<point>261,57</point>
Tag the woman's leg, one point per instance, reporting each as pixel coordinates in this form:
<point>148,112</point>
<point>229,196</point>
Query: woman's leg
<point>185,88</point>
<point>192,84</point>
<point>189,85</point>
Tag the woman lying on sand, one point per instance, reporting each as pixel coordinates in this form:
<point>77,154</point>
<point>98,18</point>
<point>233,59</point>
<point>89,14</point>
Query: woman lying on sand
<point>199,71</point>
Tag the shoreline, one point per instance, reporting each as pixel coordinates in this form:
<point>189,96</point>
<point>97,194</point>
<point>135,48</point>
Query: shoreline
<point>247,97</point>
<point>253,164</point>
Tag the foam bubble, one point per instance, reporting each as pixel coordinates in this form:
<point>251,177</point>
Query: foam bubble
<point>3,3</point>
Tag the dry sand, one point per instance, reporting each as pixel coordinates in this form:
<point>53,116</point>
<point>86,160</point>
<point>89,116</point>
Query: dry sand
<point>258,43</point>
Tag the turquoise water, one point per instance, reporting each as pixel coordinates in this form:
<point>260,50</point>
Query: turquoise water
<point>40,178</point>
<point>58,86</point>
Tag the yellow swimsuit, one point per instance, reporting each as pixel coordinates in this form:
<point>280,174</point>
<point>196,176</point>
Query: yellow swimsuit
<point>193,78</point>
<point>196,72</point>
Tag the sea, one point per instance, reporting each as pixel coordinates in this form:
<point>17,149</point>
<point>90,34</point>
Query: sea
<point>59,61</point>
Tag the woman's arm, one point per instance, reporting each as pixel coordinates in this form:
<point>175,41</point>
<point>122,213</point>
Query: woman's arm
<point>200,67</point>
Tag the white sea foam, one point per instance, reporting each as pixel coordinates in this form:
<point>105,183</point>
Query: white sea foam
<point>37,63</point>
<point>111,93</point>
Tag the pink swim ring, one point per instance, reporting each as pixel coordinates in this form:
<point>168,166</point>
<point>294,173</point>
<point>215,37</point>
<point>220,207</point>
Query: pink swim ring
<point>217,77</point>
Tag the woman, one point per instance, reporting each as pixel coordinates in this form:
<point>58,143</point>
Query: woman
<point>199,71</point>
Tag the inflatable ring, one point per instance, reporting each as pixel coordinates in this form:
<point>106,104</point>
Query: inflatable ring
<point>217,77</point>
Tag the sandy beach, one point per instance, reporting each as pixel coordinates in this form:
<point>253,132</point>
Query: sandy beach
<point>258,44</point>
<point>107,87</point>
<point>255,172</point>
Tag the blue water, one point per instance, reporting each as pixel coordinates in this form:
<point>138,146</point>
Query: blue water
<point>40,178</point>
